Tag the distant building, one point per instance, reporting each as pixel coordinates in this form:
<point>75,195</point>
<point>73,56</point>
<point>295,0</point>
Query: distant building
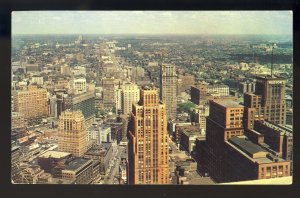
<point>199,115</point>
<point>108,85</point>
<point>200,92</point>
<point>39,80</point>
<point>53,106</point>
<point>72,134</point>
<point>78,85</point>
<point>130,95</point>
<point>168,89</point>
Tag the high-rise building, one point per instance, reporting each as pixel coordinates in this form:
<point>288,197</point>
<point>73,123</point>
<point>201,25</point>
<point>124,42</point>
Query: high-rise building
<point>118,98</point>
<point>168,92</point>
<point>148,149</point>
<point>272,91</point>
<point>84,102</point>
<point>108,85</point>
<point>72,134</point>
<point>31,102</point>
<point>130,95</point>
<point>228,155</point>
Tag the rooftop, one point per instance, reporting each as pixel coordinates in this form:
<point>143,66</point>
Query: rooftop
<point>228,103</point>
<point>272,181</point>
<point>246,145</point>
<point>77,163</point>
<point>100,149</point>
<point>54,154</point>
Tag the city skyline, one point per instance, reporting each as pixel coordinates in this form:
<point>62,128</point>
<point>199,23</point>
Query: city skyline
<point>152,22</point>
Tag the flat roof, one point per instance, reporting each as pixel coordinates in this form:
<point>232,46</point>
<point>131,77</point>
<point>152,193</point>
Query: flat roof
<point>54,154</point>
<point>271,181</point>
<point>228,103</point>
<point>76,163</point>
<point>100,149</point>
<point>246,145</point>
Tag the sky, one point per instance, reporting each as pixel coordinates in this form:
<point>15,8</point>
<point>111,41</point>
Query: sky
<point>152,22</point>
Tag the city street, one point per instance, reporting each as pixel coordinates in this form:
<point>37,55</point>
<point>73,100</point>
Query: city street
<point>114,169</point>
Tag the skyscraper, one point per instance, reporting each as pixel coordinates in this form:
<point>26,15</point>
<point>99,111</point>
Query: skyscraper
<point>272,91</point>
<point>148,140</point>
<point>168,86</point>
<point>268,100</point>
<point>72,135</point>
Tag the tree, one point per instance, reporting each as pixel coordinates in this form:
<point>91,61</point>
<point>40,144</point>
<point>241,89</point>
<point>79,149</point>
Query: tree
<point>185,107</point>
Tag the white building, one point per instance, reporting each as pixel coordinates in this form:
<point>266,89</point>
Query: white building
<point>118,98</point>
<point>221,90</point>
<point>53,106</point>
<point>39,80</point>
<point>130,95</point>
<point>78,85</point>
<point>100,133</point>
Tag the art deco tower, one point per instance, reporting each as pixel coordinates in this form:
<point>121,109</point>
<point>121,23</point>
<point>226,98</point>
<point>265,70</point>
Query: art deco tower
<point>72,135</point>
<point>168,86</point>
<point>148,140</point>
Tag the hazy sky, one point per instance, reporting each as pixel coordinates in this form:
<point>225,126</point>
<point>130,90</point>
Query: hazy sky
<point>152,22</point>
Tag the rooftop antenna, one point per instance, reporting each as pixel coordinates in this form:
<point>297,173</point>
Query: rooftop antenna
<point>273,44</point>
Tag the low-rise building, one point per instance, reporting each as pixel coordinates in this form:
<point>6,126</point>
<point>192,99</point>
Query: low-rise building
<point>79,169</point>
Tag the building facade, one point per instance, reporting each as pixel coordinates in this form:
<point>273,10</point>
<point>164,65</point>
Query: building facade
<point>31,103</point>
<point>168,89</point>
<point>72,135</point>
<point>108,96</point>
<point>130,95</point>
<point>148,141</point>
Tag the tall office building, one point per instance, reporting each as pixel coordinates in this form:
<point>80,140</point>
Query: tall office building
<point>118,98</point>
<point>272,91</point>
<point>268,100</point>
<point>148,151</point>
<point>72,134</point>
<point>31,102</point>
<point>84,102</point>
<point>130,95</point>
<point>108,85</point>
<point>168,92</point>
<point>228,155</point>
